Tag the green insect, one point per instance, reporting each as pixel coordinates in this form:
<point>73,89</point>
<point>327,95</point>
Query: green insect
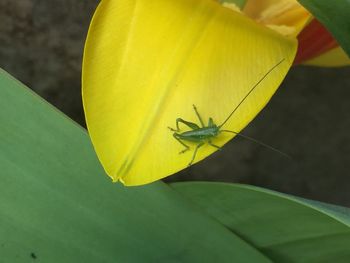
<point>204,134</point>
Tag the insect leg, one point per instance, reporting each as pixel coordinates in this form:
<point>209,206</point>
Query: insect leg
<point>180,141</point>
<point>189,124</point>
<point>199,116</point>
<point>215,146</point>
<point>195,152</point>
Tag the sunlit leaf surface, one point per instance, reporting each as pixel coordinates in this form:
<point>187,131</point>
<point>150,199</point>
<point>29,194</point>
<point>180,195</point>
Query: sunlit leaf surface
<point>284,228</point>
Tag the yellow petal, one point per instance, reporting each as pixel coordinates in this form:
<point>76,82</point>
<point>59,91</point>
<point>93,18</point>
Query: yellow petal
<point>285,16</point>
<point>232,6</point>
<point>147,61</point>
<point>333,58</point>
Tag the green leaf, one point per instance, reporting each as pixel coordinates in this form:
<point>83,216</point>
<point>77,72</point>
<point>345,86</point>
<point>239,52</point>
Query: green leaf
<point>284,228</point>
<point>334,15</point>
<point>57,205</point>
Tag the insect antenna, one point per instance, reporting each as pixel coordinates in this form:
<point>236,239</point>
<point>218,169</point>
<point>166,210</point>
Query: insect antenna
<point>250,91</point>
<point>258,142</point>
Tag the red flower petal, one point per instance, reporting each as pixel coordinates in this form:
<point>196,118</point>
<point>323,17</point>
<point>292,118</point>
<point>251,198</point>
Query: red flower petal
<point>314,40</point>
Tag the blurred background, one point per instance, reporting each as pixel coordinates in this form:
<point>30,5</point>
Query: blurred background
<point>41,44</point>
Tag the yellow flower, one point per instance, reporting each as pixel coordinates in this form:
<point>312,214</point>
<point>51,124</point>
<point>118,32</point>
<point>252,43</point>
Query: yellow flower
<point>146,62</point>
<point>316,45</point>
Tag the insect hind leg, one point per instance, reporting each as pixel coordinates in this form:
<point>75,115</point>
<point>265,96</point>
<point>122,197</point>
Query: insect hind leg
<point>189,124</point>
<point>180,141</point>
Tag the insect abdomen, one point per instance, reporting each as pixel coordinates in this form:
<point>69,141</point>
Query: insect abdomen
<point>199,134</point>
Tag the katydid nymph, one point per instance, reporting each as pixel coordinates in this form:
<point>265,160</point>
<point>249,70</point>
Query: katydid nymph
<point>204,134</point>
